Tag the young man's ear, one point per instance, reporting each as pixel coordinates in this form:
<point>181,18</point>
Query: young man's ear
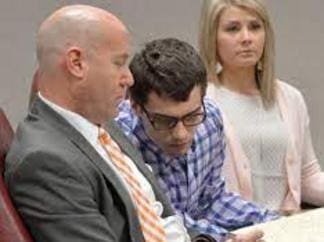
<point>75,62</point>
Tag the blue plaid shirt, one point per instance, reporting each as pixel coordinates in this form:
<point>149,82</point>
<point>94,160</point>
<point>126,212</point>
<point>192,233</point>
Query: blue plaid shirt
<point>193,181</point>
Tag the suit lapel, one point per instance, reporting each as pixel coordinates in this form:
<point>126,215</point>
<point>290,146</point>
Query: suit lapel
<point>129,149</point>
<point>126,146</point>
<point>113,178</point>
<point>58,122</point>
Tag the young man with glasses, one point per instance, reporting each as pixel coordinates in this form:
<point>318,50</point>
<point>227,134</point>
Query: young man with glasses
<point>180,135</point>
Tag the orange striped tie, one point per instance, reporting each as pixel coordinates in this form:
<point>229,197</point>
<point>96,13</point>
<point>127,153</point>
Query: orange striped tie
<point>150,222</point>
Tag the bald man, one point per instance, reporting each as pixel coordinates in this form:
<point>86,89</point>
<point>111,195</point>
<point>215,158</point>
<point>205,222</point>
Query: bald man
<point>63,179</point>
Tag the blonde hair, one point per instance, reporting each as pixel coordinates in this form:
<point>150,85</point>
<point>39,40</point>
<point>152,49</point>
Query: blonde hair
<point>211,11</point>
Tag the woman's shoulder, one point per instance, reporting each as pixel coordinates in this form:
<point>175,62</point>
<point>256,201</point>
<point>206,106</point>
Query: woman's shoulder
<point>292,98</point>
<point>288,90</point>
<point>211,89</point>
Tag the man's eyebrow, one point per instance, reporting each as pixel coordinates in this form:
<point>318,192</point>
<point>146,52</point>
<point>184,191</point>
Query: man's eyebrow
<point>194,111</point>
<point>188,114</point>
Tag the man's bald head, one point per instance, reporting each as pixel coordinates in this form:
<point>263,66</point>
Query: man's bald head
<point>82,53</point>
<point>76,25</point>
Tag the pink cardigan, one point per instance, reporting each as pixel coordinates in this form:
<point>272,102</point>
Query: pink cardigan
<point>305,179</point>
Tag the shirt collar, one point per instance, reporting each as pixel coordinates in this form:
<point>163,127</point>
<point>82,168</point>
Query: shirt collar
<point>89,130</point>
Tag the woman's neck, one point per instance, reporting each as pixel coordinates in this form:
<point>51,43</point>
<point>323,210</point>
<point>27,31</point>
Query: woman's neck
<point>239,80</point>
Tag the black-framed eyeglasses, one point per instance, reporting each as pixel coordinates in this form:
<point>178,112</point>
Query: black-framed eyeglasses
<point>165,122</point>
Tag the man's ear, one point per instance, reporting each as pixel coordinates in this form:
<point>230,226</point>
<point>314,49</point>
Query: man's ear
<point>75,62</point>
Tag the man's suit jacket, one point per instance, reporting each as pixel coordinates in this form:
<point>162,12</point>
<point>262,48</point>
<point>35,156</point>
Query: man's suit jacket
<point>64,190</point>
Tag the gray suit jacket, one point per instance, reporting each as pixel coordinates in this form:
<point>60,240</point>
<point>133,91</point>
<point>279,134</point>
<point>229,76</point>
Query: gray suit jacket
<point>63,188</point>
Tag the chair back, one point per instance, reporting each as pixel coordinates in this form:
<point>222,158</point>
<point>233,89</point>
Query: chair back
<point>12,228</point>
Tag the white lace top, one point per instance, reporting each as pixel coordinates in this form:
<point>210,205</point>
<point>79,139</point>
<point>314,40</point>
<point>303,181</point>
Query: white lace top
<point>264,139</point>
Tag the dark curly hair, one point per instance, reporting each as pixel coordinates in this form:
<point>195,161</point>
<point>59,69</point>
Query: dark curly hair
<point>169,67</point>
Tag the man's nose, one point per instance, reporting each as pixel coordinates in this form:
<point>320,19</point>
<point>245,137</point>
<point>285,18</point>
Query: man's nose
<point>180,131</point>
<point>127,78</point>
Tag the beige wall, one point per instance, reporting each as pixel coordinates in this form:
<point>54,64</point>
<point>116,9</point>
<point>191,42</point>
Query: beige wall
<point>299,33</point>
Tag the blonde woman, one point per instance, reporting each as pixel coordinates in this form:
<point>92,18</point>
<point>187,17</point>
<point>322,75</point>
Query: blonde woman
<point>270,157</point>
